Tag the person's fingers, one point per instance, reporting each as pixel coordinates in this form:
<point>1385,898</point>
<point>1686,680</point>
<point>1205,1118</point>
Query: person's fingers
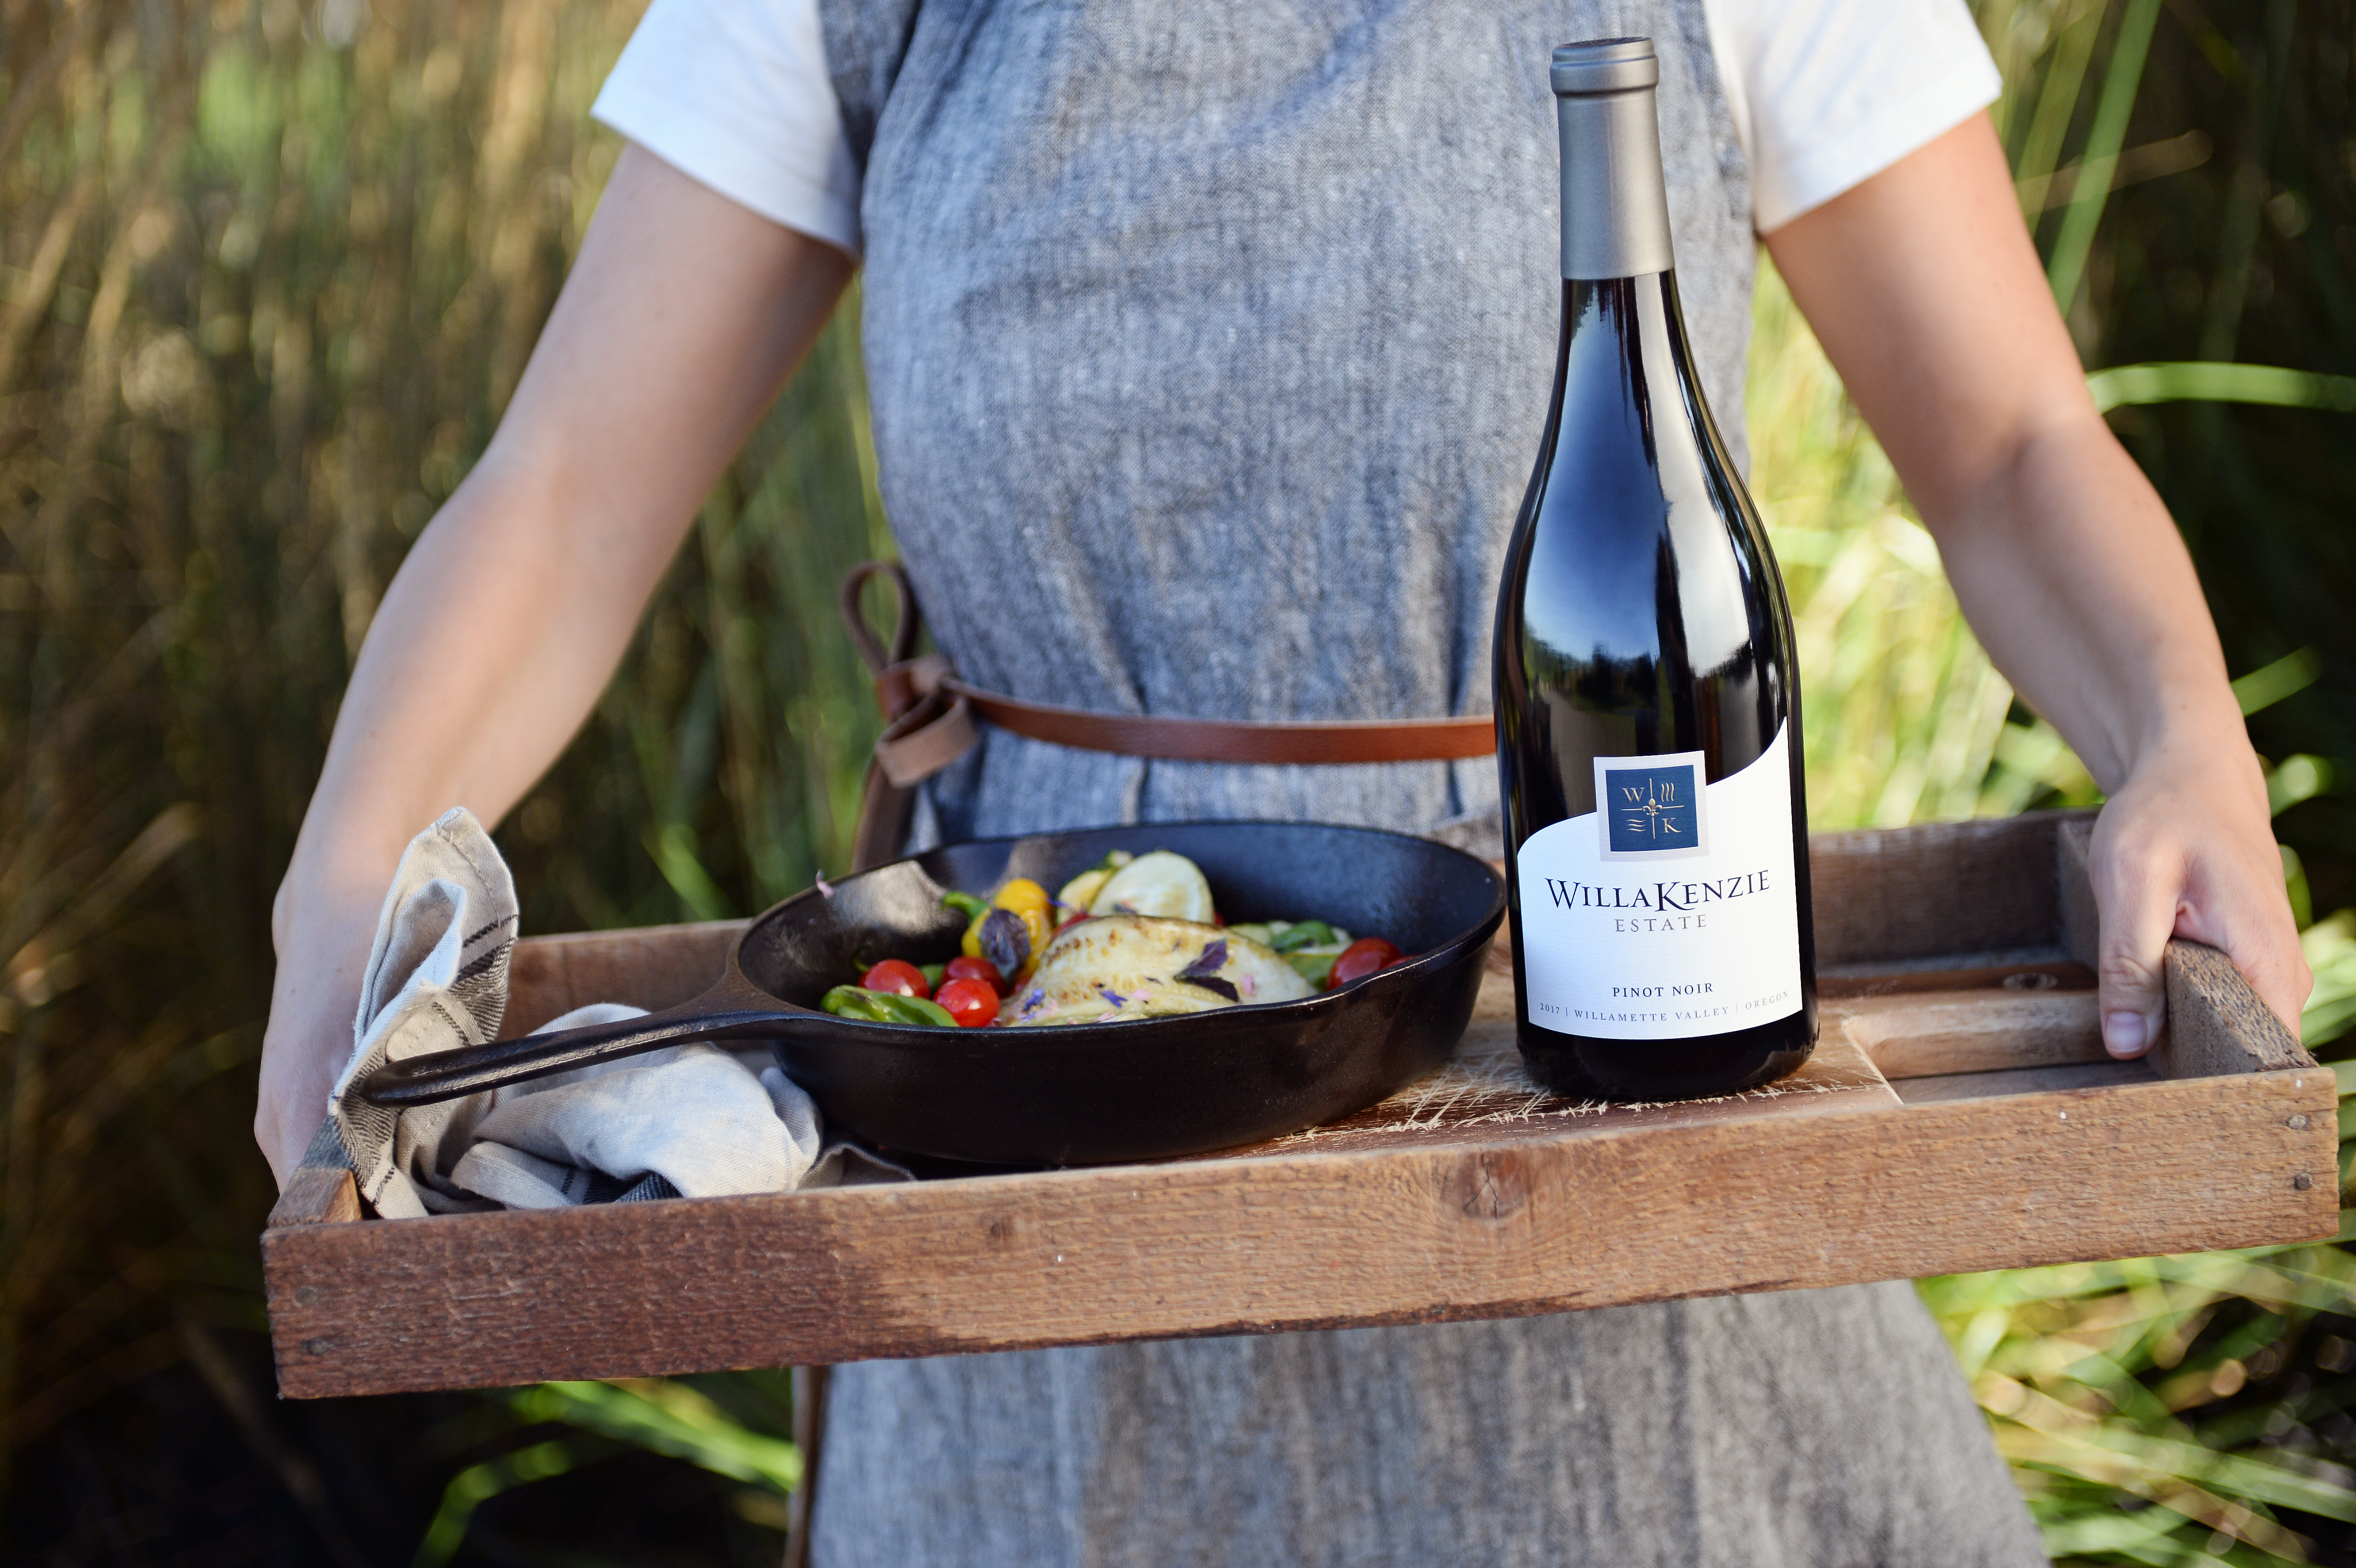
<point>2138,892</point>
<point>2198,863</point>
<point>308,1039</point>
<point>296,1084</point>
<point>2282,986</point>
<point>304,1049</point>
<point>2242,908</point>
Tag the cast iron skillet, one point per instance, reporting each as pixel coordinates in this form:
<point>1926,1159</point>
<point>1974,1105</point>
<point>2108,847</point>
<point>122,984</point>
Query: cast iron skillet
<point>1080,1094</point>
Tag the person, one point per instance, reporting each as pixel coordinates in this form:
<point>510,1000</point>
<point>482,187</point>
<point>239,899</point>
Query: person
<point>1208,350</point>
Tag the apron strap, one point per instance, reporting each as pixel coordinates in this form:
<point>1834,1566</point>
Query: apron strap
<point>930,715</point>
<point>809,1386</point>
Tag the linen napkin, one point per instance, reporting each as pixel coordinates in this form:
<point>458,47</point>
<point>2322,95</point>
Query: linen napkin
<point>693,1120</point>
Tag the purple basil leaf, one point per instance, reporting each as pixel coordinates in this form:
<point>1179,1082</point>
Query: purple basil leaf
<point>1213,983</point>
<point>1005,941</point>
<point>1109,994</point>
<point>1214,959</point>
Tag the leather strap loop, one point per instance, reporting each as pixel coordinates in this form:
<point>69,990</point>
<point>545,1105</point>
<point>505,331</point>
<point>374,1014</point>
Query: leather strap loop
<point>926,739</point>
<point>872,650</point>
<point>901,687</point>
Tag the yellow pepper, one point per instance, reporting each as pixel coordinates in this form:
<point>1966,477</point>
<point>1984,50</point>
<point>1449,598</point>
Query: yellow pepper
<point>1024,899</point>
<point>1029,900</point>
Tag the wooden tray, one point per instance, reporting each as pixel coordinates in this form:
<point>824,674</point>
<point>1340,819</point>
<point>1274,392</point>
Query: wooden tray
<point>1959,1114</point>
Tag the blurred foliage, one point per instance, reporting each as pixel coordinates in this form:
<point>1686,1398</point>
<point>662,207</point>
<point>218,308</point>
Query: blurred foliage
<point>268,269</point>
<point>268,273</point>
<point>2232,237</point>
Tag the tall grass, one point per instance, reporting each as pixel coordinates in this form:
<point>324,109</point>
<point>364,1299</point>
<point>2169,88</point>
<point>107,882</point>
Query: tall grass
<point>268,271</point>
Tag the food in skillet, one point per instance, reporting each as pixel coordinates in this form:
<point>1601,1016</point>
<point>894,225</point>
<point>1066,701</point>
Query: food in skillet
<point>1135,937</point>
<point>1120,966</point>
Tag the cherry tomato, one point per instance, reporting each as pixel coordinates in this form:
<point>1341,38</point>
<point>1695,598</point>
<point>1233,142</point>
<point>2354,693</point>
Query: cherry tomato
<point>1361,958</point>
<point>971,1002</point>
<point>981,969</point>
<point>895,976</point>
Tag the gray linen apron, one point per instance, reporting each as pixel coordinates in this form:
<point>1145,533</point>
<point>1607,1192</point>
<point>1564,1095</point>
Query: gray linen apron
<point>1208,347</point>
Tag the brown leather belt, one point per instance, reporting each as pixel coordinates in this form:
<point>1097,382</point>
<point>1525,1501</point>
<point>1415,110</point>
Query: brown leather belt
<point>930,723</point>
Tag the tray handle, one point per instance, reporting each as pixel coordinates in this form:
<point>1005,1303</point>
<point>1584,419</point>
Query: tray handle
<point>316,1195</point>
<point>2216,1024</point>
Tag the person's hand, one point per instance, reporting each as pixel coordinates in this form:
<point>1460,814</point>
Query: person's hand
<point>323,947</point>
<point>2184,849</point>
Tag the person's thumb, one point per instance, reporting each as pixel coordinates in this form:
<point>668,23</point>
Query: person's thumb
<point>2137,898</point>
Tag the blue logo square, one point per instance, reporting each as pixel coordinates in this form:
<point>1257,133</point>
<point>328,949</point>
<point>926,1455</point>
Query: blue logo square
<point>1653,808</point>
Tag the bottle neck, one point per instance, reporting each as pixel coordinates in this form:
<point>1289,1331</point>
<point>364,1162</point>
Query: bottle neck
<point>1625,380</point>
<point>1631,328</point>
<point>1619,385</point>
<point>1615,204</point>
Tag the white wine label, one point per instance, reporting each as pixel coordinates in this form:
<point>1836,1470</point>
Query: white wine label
<point>1670,911</point>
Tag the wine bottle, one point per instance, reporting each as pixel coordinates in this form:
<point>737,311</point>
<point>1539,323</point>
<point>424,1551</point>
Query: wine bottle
<point>1648,735</point>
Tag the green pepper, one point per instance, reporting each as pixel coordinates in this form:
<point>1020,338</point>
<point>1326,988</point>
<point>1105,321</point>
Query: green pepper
<point>932,974</point>
<point>885,1008</point>
<point>900,1009</point>
<point>851,1002</point>
<point>1304,934</point>
<point>966,904</point>
<point>1313,968</point>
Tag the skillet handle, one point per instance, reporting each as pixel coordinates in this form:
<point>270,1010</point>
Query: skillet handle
<point>730,1007</point>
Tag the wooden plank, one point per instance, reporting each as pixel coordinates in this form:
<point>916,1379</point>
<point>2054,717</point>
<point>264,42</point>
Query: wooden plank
<point>1482,1091</point>
<point>2216,1022</point>
<point>2073,852</point>
<point>1921,1036</point>
<point>2024,1081</point>
<point>2032,969</point>
<point>1943,887</point>
<point>649,966</point>
<point>317,1195</point>
<point>1313,1240</point>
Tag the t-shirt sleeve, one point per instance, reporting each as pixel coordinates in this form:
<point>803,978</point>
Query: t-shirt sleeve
<point>736,94</point>
<point>1825,95</point>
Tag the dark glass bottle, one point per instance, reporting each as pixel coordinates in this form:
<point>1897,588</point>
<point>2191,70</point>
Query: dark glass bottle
<point>1646,689</point>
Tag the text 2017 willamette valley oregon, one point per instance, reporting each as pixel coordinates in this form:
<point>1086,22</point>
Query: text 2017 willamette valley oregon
<point>1647,694</point>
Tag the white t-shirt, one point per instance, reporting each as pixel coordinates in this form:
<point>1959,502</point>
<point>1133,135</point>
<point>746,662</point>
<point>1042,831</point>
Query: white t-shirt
<point>1824,93</point>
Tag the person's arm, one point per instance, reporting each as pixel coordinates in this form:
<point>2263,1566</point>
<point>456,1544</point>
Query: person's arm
<point>1926,293</point>
<point>681,317</point>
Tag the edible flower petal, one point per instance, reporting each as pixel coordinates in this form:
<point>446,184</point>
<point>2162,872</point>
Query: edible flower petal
<point>1213,958</point>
